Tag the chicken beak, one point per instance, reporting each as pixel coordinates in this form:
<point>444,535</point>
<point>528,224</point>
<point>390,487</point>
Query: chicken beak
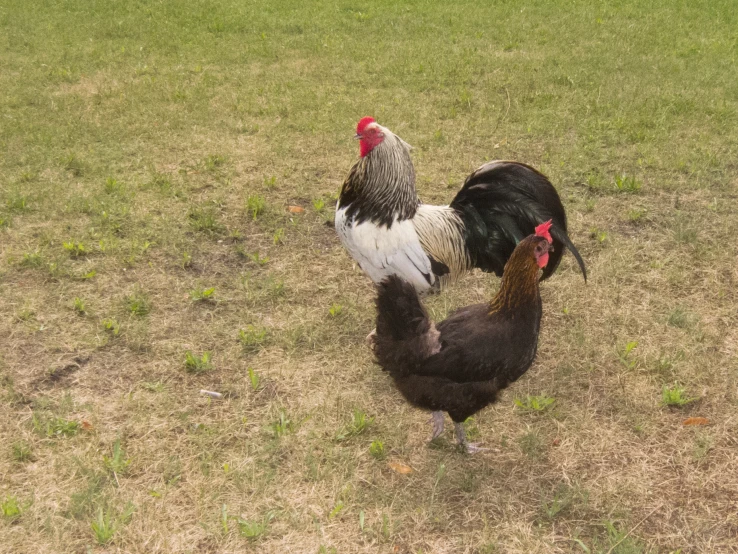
<point>357,136</point>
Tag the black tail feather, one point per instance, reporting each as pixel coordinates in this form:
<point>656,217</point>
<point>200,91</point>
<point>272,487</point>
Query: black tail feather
<point>405,335</point>
<point>500,204</point>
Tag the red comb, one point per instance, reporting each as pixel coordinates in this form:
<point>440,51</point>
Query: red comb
<point>363,122</point>
<point>542,231</point>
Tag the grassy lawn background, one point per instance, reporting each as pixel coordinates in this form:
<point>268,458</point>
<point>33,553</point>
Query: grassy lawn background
<point>149,152</point>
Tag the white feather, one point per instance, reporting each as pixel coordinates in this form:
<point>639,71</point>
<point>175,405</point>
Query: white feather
<point>382,251</point>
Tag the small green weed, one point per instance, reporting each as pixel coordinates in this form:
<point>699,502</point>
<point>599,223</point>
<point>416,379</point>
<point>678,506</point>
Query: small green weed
<point>360,422</point>
<point>257,259</point>
<point>112,186</point>
<point>205,220</point>
<point>254,530</point>
<point>335,310</point>
<point>282,426</point>
<point>255,205</point>
<point>627,184</point>
<point>75,249</point>
<point>376,449</point>
<point>17,203</point>
<point>681,318</point>
<point>195,364</point>
<point>10,507</point>
<point>598,234</point>
<point>117,462</point>
<point>79,306</point>
<point>138,303</point>
<point>213,162</point>
<point>22,452</point>
<point>253,338</point>
<point>278,237</point>
<point>534,403</point>
<point>74,165</point>
<point>675,396</point>
<point>637,215</point>
<point>624,355</point>
<point>104,526</point>
<point>203,295</point>
<point>318,204</point>
<point>111,326</point>
<point>532,445</point>
<point>54,427</point>
<point>254,378</point>
<point>270,182</point>
<point>32,259</point>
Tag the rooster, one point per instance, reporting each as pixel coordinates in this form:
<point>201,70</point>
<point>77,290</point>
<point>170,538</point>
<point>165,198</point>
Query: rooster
<point>388,231</point>
<point>459,365</point>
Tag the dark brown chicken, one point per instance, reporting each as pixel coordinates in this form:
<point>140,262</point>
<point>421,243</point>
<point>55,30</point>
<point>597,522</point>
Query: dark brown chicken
<point>460,365</point>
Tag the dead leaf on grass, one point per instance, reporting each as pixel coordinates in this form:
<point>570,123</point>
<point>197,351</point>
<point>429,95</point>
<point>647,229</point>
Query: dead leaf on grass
<point>696,421</point>
<point>295,209</point>
<point>399,467</point>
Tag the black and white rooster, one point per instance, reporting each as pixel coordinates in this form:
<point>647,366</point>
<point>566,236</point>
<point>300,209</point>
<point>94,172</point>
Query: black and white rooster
<point>388,231</point>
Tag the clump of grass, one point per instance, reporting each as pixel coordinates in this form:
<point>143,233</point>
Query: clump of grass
<point>675,396</point>
<point>376,449</point>
<point>203,295</point>
<point>598,234</point>
<point>282,426</point>
<point>624,355</point>
<point>103,526</point>
<point>213,162</point>
<point>359,423</point>
<point>534,403</point>
<point>335,310</point>
<point>627,184</point>
<point>22,452</point>
<point>74,165</point>
<point>255,205</point>
<point>75,249</point>
<point>684,233</point>
<point>137,303</point>
<point>79,306</point>
<point>117,462</point>
<point>681,318</point>
<point>253,338</point>
<point>54,427</point>
<point>113,186</point>
<point>32,259</point>
<point>637,215</point>
<point>17,203</point>
<point>270,182</point>
<point>198,364</point>
<point>111,326</point>
<point>278,237</point>
<point>160,182</point>
<point>254,530</point>
<point>205,220</point>
<point>532,445</point>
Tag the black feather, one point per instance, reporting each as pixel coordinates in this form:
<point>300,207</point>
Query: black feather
<point>503,202</point>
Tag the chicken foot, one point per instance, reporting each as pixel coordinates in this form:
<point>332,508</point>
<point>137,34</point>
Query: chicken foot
<point>470,447</point>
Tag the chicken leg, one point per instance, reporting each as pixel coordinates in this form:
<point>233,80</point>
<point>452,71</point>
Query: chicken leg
<point>470,447</point>
<point>437,421</point>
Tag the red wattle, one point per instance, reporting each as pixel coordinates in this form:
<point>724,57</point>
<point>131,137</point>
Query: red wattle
<point>542,259</point>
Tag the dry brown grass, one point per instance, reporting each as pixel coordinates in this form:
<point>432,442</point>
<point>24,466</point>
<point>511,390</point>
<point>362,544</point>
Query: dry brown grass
<point>191,129</point>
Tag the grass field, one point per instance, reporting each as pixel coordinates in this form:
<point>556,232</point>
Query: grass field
<point>149,152</point>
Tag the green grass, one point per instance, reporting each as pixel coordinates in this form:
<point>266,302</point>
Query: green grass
<point>150,156</point>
